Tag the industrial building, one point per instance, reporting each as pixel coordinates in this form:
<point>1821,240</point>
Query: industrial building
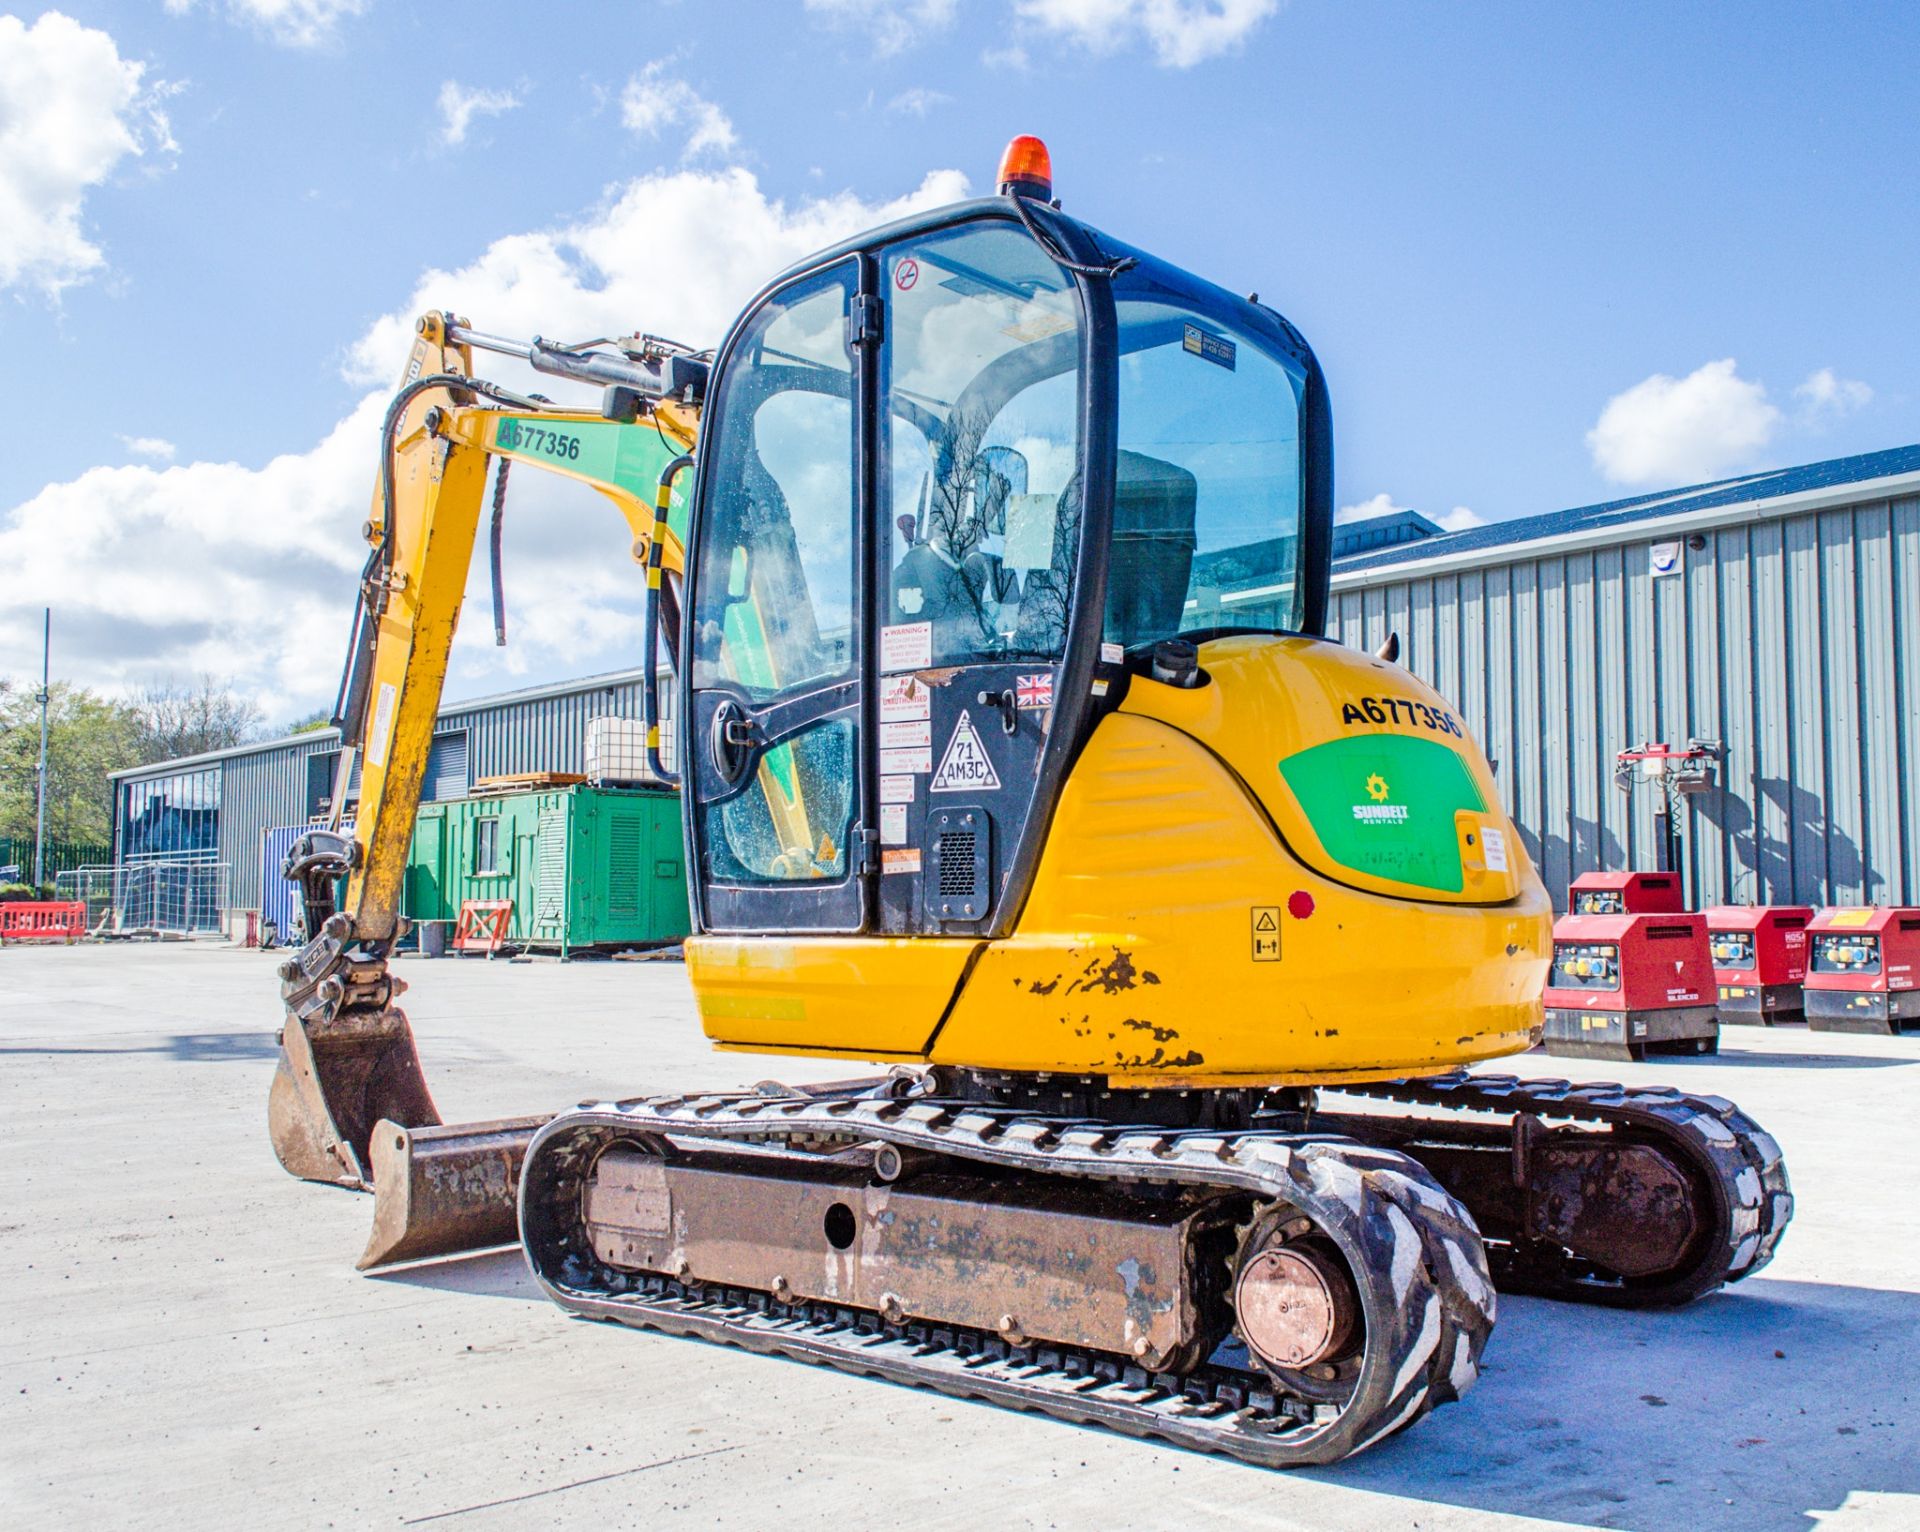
<point>1775,615</point>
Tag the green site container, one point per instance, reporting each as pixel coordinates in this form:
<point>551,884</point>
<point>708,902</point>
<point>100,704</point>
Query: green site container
<point>584,866</point>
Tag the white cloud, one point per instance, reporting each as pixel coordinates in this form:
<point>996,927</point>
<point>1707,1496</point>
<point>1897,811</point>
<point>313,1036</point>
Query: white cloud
<point>655,101</point>
<point>156,447</point>
<point>1827,396</point>
<point>248,571</point>
<point>892,25</point>
<point>1456,520</point>
<point>293,23</point>
<point>1381,504</point>
<point>918,101</point>
<point>1181,33</point>
<point>460,104</point>
<point>1684,430</point>
<point>71,110</point>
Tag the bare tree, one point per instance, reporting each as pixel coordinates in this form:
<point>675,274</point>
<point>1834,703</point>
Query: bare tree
<point>177,719</point>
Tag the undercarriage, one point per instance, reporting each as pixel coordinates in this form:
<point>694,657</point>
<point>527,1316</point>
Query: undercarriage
<point>1286,1289</point>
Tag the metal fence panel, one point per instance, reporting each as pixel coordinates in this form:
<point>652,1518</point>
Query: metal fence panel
<point>152,898</point>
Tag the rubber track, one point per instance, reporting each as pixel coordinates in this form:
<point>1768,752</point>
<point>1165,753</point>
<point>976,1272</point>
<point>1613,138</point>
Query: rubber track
<point>1747,1177</point>
<point>1420,1266</point>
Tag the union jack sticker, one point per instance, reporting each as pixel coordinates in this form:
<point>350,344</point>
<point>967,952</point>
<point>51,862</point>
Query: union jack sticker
<point>1033,691</point>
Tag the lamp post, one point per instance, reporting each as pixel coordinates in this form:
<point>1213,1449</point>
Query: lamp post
<point>40,793</point>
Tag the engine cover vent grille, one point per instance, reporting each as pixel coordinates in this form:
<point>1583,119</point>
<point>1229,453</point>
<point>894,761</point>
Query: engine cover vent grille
<point>960,843</point>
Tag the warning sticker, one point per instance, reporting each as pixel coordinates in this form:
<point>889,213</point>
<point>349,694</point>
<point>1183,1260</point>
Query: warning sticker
<point>896,789</point>
<point>905,860</point>
<point>899,762</point>
<point>1213,348</point>
<point>1112,654</point>
<point>906,274</point>
<point>904,698</point>
<point>906,646</point>
<point>966,767</point>
<point>893,823</point>
<point>1494,843</point>
<point>382,729</point>
<point>1266,933</point>
<point>917,735</point>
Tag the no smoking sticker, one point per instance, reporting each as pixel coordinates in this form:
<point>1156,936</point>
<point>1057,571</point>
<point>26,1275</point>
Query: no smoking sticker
<point>906,274</point>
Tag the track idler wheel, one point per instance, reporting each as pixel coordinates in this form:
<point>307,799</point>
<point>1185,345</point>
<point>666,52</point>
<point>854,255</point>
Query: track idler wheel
<point>1296,1306</point>
<point>1367,1304</point>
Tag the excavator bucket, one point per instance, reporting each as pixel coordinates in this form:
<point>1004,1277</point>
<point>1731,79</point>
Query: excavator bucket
<point>337,1077</point>
<point>443,1190</point>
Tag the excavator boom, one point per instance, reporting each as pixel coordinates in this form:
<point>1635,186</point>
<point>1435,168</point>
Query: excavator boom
<point>348,1064</point>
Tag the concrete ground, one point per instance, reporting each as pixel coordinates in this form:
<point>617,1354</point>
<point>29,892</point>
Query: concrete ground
<point>186,1344</point>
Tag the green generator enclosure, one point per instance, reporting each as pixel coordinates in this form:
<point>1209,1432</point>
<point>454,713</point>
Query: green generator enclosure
<point>583,866</point>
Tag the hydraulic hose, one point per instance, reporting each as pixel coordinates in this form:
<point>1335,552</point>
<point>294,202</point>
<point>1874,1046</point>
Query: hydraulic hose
<point>650,661</point>
<point>351,700</point>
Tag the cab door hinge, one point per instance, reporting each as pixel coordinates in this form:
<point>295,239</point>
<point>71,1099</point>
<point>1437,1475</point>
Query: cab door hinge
<point>867,322</point>
<point>866,850</point>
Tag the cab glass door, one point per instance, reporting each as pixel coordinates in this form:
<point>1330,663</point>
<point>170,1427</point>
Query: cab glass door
<point>773,734</point>
<point>981,511</point>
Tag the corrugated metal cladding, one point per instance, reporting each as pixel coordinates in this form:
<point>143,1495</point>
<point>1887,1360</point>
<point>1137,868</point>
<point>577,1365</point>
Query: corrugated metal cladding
<point>265,788</point>
<point>258,791</point>
<point>1795,641</point>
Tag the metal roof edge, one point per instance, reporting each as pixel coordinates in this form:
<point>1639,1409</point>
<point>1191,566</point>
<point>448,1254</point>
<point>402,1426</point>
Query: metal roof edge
<point>213,757</point>
<point>603,681</point>
<point>1767,508</point>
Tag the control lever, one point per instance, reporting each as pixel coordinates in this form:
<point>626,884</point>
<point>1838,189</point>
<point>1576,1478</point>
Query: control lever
<point>1008,705</point>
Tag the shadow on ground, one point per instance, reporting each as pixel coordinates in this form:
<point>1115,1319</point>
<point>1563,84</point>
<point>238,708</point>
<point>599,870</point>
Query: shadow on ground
<point>1741,1058</point>
<point>1759,1408</point>
<point>1802,1393</point>
<point>482,1274</point>
<point>187,1047</point>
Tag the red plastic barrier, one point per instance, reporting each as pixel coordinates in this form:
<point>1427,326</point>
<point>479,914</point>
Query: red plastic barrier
<point>42,920</point>
<point>483,925</point>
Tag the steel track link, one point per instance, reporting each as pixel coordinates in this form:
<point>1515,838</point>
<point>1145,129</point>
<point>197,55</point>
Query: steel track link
<point>1416,1256</point>
<point>1752,1202</point>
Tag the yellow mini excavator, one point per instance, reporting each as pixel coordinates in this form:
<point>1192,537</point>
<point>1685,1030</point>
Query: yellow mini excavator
<point>991,558</point>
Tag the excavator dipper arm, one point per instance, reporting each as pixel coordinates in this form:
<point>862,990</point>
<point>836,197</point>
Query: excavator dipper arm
<point>347,1060</point>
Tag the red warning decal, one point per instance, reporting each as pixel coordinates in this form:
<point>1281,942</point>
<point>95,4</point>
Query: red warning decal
<point>906,274</point>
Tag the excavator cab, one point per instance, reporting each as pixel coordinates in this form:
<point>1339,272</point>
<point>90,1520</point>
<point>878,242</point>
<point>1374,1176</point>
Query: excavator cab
<point>959,479</point>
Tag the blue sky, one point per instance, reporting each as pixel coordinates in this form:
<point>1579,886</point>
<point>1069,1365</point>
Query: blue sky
<point>1502,227</point>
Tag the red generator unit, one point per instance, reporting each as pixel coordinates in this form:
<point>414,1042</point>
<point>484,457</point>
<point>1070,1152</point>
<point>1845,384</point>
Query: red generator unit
<point>1759,961</point>
<point>1862,967</point>
<point>1627,980</point>
<point>1625,893</point>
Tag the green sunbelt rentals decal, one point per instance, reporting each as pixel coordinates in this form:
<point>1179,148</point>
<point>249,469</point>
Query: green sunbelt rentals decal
<point>1383,804</point>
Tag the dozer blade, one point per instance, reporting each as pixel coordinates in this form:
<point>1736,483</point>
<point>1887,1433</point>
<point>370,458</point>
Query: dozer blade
<point>336,1078</point>
<point>443,1190</point>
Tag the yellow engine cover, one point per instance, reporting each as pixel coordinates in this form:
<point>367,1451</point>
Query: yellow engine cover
<point>1298,873</point>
